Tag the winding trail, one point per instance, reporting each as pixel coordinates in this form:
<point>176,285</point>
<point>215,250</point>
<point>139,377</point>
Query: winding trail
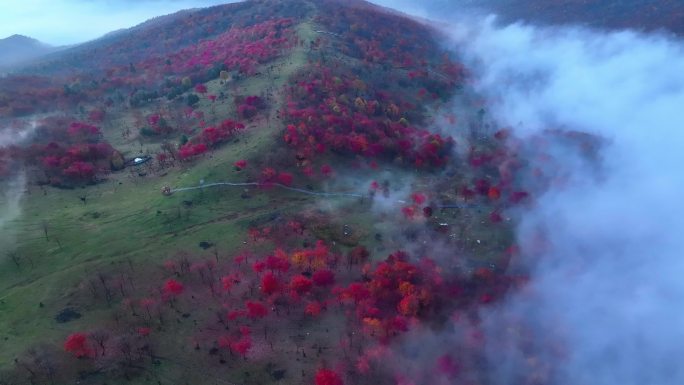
<point>256,184</point>
<point>324,194</point>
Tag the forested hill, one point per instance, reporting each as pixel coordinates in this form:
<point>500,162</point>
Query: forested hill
<point>251,194</point>
<point>166,34</point>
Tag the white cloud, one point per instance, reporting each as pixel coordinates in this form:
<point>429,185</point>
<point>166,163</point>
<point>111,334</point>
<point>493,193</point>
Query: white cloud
<point>604,305</point>
<point>610,282</point>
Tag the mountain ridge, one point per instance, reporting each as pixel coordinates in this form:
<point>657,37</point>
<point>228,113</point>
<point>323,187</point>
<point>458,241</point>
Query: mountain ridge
<point>164,34</point>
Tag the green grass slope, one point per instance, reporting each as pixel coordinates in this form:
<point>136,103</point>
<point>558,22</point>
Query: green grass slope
<point>127,220</point>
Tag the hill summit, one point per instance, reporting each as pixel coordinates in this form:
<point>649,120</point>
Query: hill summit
<point>222,196</point>
<point>18,49</point>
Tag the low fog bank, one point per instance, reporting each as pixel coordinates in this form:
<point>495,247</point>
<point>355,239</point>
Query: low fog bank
<point>603,244</point>
<point>12,186</point>
<point>606,290</point>
<point>10,136</point>
<point>10,208</point>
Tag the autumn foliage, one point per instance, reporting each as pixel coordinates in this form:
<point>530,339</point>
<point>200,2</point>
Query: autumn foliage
<point>68,152</point>
<point>210,137</point>
<point>325,115</point>
<point>77,344</point>
<point>327,377</point>
<point>172,289</point>
<point>297,288</point>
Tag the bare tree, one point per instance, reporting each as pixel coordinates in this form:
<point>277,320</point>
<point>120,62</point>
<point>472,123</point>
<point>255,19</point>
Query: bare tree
<point>14,257</point>
<point>40,364</point>
<point>101,337</point>
<point>45,230</point>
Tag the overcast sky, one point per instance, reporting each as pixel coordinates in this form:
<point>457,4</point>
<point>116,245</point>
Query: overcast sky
<point>60,22</point>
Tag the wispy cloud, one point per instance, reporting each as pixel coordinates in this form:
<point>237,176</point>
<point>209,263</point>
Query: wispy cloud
<point>12,188</point>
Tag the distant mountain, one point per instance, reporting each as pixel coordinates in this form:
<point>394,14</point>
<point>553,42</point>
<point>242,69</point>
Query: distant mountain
<point>642,15</point>
<point>18,49</point>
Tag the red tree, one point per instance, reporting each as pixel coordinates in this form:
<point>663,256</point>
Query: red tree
<point>201,89</point>
<point>418,198</point>
<point>256,310</point>
<point>300,284</point>
<point>82,171</point>
<point>313,309</point>
<point>269,284</point>
<point>494,193</point>
<point>172,289</point>
<point>328,377</point>
<point>323,278</point>
<point>285,178</point>
<point>77,344</point>
<point>242,345</point>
